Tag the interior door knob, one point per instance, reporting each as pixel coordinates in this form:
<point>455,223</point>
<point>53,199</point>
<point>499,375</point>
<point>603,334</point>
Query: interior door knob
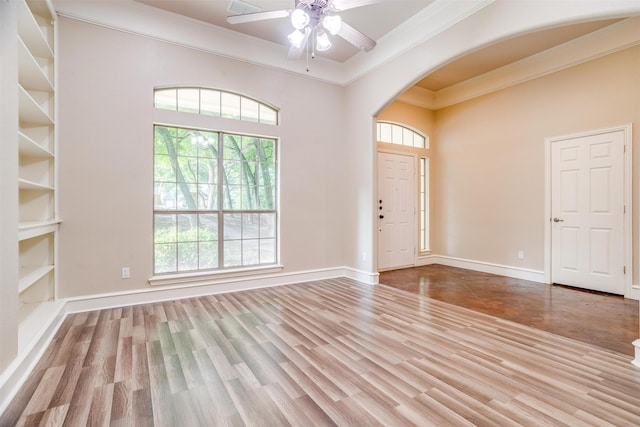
<point>556,219</point>
<point>381,216</point>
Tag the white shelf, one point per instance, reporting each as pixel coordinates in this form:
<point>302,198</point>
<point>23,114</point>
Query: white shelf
<point>35,173</point>
<point>30,111</point>
<point>33,276</point>
<point>31,75</point>
<point>23,184</point>
<point>31,229</point>
<point>29,31</point>
<point>29,147</point>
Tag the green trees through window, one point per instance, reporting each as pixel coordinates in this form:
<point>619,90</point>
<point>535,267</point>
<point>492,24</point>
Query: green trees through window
<point>214,200</point>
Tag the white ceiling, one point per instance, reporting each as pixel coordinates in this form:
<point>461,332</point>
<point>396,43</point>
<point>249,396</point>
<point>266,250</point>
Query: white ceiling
<point>396,25</point>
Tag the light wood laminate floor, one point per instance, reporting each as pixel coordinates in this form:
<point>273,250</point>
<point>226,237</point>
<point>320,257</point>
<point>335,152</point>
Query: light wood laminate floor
<point>331,352</point>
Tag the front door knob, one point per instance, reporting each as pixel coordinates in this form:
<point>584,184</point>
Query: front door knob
<point>556,219</point>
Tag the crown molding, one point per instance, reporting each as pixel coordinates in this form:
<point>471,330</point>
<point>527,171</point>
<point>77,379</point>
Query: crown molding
<point>141,19</point>
<point>600,43</point>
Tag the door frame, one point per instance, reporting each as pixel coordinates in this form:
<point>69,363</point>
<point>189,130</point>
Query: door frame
<point>629,290</point>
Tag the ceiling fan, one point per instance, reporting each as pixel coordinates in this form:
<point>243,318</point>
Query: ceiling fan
<point>314,19</point>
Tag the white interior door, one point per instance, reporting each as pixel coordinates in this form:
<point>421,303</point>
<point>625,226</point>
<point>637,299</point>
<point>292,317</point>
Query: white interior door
<point>587,206</point>
<point>396,211</point>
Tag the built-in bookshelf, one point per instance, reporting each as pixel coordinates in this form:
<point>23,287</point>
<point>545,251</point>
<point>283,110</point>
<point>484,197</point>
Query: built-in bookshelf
<point>37,218</point>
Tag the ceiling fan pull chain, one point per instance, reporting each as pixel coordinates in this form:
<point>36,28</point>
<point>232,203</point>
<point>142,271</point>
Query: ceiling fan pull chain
<point>307,51</point>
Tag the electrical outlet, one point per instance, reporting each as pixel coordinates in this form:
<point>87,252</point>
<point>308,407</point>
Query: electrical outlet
<point>126,273</point>
<point>520,254</point>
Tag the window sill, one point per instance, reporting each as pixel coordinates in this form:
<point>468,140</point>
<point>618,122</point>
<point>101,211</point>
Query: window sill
<point>212,277</point>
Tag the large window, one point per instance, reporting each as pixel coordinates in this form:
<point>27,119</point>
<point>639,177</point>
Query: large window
<point>417,142</point>
<point>214,200</point>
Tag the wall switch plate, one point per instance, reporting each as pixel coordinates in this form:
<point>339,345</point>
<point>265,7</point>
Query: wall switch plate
<point>126,273</point>
<point>520,254</point>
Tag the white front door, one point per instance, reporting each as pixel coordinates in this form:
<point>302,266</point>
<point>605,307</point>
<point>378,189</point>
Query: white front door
<point>396,211</point>
<point>587,212</point>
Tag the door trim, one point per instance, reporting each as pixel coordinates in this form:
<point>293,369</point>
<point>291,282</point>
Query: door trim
<point>630,291</point>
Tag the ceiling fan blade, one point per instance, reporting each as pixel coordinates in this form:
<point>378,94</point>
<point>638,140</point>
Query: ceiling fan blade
<point>356,38</point>
<point>350,4</point>
<point>296,52</point>
<point>258,16</point>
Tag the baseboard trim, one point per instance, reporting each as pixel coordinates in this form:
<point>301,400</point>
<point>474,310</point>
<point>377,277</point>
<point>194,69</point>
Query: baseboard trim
<point>485,267</point>
<point>173,292</point>
<point>636,361</point>
<point>16,374</point>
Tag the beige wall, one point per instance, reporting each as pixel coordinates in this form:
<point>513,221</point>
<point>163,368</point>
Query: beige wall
<point>488,164</point>
<point>490,192</point>
<point>105,150</point>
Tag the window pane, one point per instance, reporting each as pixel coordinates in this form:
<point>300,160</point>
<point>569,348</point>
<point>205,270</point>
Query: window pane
<point>232,226</point>
<point>230,105</point>
<point>396,134</point>
<point>418,141</point>
<point>187,169</point>
<point>208,144</point>
<point>232,197</point>
<point>267,251</point>
<point>426,142</point>
<point>187,143</point>
<point>167,196</point>
<point>189,100</point>
<point>232,147</point>
<point>210,102</point>
<point>232,253</point>
<point>187,196</point>
<point>187,228</point>
<point>165,99</point>
<point>187,256</point>
<point>385,132</point>
<point>250,226</point>
<point>208,227</point>
<point>251,252</point>
<point>407,137</point>
<point>249,110</point>
<point>165,230</point>
<point>267,225</point>
<point>207,197</point>
<point>268,115</point>
<point>165,259</point>
<point>164,170</point>
<point>208,255</point>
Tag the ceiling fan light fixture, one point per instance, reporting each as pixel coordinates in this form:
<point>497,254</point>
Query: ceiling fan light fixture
<point>322,41</point>
<point>299,19</point>
<point>296,38</point>
<point>332,23</point>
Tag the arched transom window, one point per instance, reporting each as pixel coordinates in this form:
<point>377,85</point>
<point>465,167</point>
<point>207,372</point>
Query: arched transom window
<point>215,103</point>
<point>395,133</point>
